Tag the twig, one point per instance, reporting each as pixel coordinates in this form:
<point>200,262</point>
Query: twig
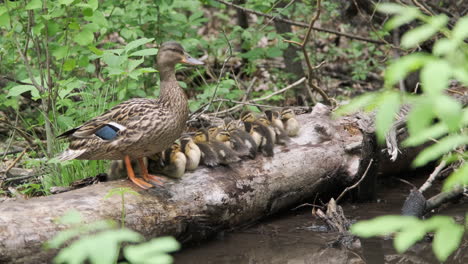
<point>307,204</point>
<point>15,161</point>
<point>300,24</point>
<point>441,198</point>
<point>357,183</point>
<point>10,152</point>
<point>433,176</point>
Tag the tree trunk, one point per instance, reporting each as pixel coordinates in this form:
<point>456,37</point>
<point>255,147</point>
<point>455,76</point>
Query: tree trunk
<point>325,155</point>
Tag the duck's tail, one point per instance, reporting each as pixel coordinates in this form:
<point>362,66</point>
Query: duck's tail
<point>70,154</point>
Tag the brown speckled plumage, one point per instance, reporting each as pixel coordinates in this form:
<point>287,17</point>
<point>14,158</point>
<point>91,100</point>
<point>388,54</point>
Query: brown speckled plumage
<point>150,125</point>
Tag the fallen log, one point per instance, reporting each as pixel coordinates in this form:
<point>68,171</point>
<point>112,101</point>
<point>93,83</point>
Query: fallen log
<point>326,154</point>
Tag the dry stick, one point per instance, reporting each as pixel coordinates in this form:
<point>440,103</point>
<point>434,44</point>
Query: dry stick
<point>433,176</point>
<point>307,59</point>
<point>265,97</point>
<point>16,160</point>
<point>357,183</point>
<point>300,24</point>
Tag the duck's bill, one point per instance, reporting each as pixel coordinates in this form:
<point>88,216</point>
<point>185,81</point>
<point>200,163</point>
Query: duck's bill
<point>191,61</point>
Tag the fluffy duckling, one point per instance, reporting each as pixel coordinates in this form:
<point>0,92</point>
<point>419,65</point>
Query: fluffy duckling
<point>261,136</point>
<point>260,132</point>
<point>209,157</point>
<point>192,152</point>
<point>225,154</point>
<point>241,141</point>
<point>172,162</point>
<point>291,125</point>
<point>281,135</point>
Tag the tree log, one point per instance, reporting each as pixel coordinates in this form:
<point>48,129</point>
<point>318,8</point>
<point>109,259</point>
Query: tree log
<point>323,156</point>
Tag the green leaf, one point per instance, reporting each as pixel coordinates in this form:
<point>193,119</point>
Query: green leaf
<point>145,52</point>
<point>69,65</point>
<point>99,19</point>
<point>64,236</point>
<point>382,225</point>
<point>445,145</point>
<point>85,37</point>
<point>435,77</point>
<point>137,43</point>
<point>422,33</point>
<point>4,20</point>
<point>112,60</point>
<point>400,68</point>
<point>65,2</point>
<point>72,217</point>
<point>449,111</point>
<point>420,116</point>
<point>152,249</point>
<point>447,238</point>
<point>102,247</point>
<point>444,46</point>
<point>434,131</point>
<point>60,52</point>
<point>390,8</point>
<point>120,191</point>
<point>20,89</point>
<point>94,4</point>
<point>458,177</point>
<point>460,30</point>
<point>355,104</point>
<point>406,16</point>
<point>390,104</point>
<point>33,4</point>
<point>407,237</point>
<point>95,50</point>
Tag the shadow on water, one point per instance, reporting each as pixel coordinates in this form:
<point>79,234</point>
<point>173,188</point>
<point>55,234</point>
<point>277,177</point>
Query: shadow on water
<point>295,237</point>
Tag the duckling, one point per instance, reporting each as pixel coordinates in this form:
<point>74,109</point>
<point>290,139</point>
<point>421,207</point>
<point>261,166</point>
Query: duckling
<point>268,125</point>
<point>225,154</point>
<point>192,152</point>
<point>219,134</point>
<point>281,135</point>
<point>172,162</point>
<point>291,125</point>
<point>261,134</point>
<point>209,157</point>
<point>241,141</point>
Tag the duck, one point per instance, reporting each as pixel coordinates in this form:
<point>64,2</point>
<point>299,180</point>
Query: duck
<point>261,134</point>
<point>171,162</point>
<point>192,152</point>
<point>241,141</point>
<point>291,125</point>
<point>138,127</point>
<point>209,156</point>
<point>225,154</point>
<point>273,117</point>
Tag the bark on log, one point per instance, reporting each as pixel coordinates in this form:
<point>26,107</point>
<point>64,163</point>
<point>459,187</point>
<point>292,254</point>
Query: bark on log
<point>202,202</point>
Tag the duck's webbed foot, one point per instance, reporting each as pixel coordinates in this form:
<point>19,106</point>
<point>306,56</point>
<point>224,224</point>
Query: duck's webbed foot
<point>131,175</point>
<point>148,177</point>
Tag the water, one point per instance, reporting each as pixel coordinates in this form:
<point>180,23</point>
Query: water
<point>295,236</point>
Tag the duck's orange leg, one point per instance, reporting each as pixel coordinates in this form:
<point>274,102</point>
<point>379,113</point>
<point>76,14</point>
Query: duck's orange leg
<point>147,176</point>
<point>131,175</point>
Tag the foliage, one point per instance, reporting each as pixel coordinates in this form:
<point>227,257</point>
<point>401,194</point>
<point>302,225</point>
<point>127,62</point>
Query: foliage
<point>121,191</point>
<point>449,60</point>
<point>100,243</point>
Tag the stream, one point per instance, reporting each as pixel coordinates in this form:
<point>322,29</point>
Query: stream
<point>296,236</point>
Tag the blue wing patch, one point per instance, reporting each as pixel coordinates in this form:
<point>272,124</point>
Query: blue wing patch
<point>107,132</point>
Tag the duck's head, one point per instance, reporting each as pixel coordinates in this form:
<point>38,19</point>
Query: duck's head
<point>201,136</point>
<point>248,116</point>
<point>287,113</point>
<point>170,53</point>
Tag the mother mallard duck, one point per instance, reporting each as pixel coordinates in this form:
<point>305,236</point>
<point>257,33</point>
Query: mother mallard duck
<point>138,127</point>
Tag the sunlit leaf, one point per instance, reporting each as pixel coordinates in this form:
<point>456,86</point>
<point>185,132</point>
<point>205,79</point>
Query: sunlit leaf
<point>405,16</point>
<point>458,177</point>
<point>153,249</point>
<point>422,33</point>
<point>408,236</point>
<point>137,43</point>
<point>435,77</point>
<point>460,30</point>
<point>449,111</point>
<point>33,4</point>
<point>20,89</point>
<point>391,8</point>
<point>355,104</point>
<point>85,37</point>
<point>382,225</point>
<point>445,145</point>
<point>69,65</point>
<point>447,238</point>
<point>420,116</point>
<point>390,104</point>
<point>145,52</point>
<point>444,46</point>
<point>399,69</point>
<point>65,2</point>
<point>132,64</point>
